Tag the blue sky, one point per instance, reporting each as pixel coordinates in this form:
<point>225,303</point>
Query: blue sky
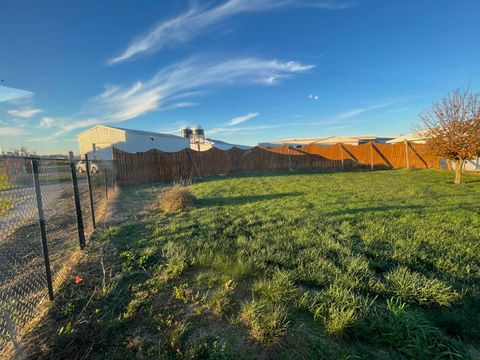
<point>247,71</point>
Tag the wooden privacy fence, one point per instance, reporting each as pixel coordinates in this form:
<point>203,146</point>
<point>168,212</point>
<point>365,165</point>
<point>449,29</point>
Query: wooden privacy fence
<point>156,165</point>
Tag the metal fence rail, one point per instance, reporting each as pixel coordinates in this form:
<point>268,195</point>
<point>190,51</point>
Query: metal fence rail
<point>48,210</point>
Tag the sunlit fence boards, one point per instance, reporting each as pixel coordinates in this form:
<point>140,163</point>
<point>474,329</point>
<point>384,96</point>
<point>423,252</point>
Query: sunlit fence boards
<point>155,165</point>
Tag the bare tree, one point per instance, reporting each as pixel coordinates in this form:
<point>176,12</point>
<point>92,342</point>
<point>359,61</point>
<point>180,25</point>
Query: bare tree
<point>452,128</point>
<point>22,151</point>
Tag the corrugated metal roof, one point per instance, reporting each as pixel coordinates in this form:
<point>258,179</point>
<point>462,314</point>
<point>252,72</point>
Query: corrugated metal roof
<point>330,139</point>
<point>415,136</point>
<point>142,132</point>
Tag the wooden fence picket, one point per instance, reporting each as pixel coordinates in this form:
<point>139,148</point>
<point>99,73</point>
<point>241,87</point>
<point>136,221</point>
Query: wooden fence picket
<point>155,165</point>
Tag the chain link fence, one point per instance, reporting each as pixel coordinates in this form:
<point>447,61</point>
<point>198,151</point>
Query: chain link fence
<point>48,209</point>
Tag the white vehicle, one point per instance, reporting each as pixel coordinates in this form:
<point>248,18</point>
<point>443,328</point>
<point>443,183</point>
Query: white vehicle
<point>82,167</point>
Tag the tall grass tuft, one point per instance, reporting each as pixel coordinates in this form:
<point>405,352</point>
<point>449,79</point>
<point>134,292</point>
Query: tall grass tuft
<point>267,322</point>
<point>338,308</point>
<point>413,287</point>
<point>409,332</point>
<point>279,288</point>
<point>220,301</point>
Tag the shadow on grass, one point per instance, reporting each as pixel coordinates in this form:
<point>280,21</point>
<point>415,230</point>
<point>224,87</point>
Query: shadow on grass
<point>281,172</point>
<point>241,200</point>
<point>94,323</point>
<point>374,209</point>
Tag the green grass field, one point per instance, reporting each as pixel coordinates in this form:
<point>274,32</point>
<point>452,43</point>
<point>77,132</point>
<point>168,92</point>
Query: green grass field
<point>349,265</point>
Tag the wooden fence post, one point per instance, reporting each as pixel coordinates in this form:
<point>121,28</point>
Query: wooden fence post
<point>341,155</point>
<point>371,155</point>
<point>407,160</point>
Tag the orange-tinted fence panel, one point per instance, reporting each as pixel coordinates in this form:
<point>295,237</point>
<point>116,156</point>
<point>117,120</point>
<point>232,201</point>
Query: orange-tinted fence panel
<point>156,165</point>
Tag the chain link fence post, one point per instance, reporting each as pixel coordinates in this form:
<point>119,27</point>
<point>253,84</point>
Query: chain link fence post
<point>78,208</point>
<point>90,190</point>
<point>43,232</point>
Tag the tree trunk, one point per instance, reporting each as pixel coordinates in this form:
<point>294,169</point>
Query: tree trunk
<point>458,171</point>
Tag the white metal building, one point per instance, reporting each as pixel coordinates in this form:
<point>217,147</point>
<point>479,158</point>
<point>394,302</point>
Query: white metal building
<point>98,141</point>
<point>419,137</point>
<point>206,144</point>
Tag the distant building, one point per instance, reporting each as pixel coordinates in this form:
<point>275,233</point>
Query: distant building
<point>99,141</point>
<point>419,137</point>
<point>199,142</point>
<point>326,141</point>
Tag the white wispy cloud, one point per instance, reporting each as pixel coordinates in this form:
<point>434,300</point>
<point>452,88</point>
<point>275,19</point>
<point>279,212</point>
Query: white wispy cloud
<point>241,119</point>
<point>179,81</point>
<point>46,122</point>
<point>24,113</point>
<point>358,111</point>
<point>244,129</point>
<point>199,20</point>
<point>11,131</point>
<point>183,104</point>
<point>9,93</point>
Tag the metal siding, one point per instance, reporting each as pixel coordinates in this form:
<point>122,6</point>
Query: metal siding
<point>105,137</point>
<point>140,143</point>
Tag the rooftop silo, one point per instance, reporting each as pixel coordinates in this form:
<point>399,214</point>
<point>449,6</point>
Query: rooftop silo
<point>186,132</point>
<point>198,132</point>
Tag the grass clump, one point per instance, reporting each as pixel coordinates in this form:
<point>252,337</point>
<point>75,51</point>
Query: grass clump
<point>267,322</point>
<point>339,309</point>
<point>220,300</point>
<point>414,287</point>
<point>279,288</point>
<point>177,198</point>
<point>409,332</point>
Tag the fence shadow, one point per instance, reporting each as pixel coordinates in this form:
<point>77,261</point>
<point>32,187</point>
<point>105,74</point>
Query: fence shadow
<point>241,200</point>
<point>374,209</point>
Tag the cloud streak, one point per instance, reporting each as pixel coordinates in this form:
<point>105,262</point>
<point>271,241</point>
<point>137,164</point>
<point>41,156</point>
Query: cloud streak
<point>199,20</point>
<point>241,119</point>
<point>245,129</point>
<point>11,131</point>
<point>9,93</point>
<point>180,81</point>
<point>358,111</point>
<point>24,113</point>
